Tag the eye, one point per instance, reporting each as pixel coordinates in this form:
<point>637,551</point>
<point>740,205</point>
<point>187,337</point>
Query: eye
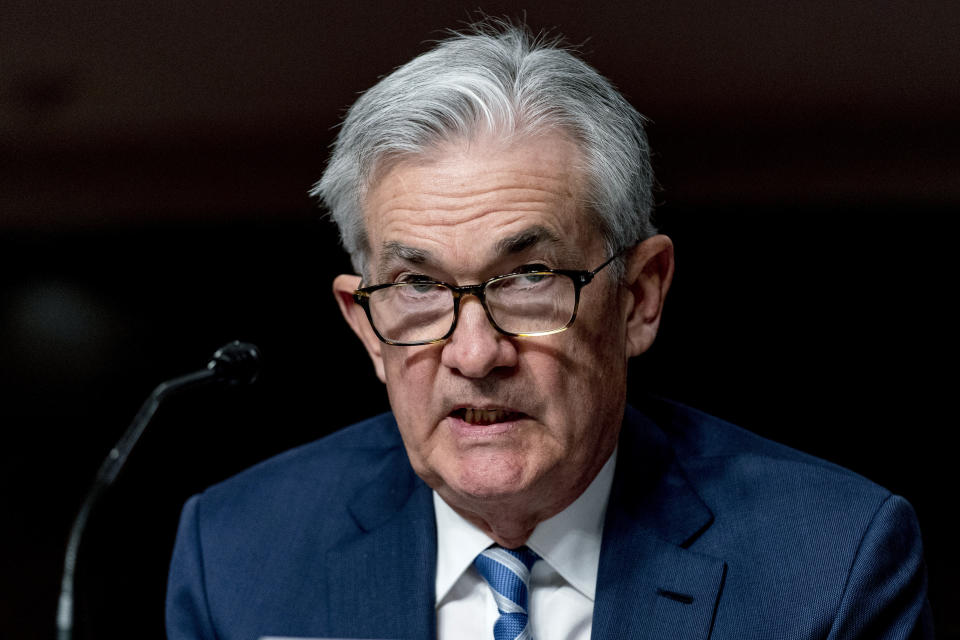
<point>411,278</point>
<point>422,287</point>
<point>525,282</point>
<point>417,283</point>
<point>535,272</point>
<point>528,268</point>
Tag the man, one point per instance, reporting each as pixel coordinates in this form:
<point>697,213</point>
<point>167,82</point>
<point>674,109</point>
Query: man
<point>494,193</point>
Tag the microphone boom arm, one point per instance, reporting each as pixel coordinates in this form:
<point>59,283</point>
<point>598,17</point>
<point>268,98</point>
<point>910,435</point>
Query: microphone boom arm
<point>234,363</point>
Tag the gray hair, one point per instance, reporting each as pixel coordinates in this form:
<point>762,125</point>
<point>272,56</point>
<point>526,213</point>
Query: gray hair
<point>497,78</point>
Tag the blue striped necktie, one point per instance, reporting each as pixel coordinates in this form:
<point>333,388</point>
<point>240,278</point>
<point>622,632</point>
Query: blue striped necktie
<point>507,571</point>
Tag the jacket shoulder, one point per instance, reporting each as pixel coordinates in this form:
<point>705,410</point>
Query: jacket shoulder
<point>702,440</point>
<point>825,548</point>
<point>301,483</point>
<point>254,551</point>
<point>323,459</point>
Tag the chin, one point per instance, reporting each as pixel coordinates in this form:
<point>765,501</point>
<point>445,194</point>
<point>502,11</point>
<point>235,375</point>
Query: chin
<point>491,476</point>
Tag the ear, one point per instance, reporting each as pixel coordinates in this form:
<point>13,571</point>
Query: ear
<point>356,317</point>
<point>649,273</point>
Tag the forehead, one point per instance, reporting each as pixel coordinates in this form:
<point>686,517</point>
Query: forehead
<point>472,201</point>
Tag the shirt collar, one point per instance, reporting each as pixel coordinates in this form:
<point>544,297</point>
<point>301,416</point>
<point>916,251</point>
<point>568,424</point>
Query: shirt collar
<point>568,541</point>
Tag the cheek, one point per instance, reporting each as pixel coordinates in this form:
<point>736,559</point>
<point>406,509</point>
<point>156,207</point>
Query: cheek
<point>596,350</point>
<point>410,370</point>
<point>592,384</point>
<point>411,375</point>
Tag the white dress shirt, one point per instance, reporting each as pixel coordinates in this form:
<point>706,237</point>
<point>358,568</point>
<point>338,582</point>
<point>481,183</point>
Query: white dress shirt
<point>562,583</point>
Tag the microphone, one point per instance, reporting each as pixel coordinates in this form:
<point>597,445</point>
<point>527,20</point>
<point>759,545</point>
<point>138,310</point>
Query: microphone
<point>236,363</point>
<point>233,364</point>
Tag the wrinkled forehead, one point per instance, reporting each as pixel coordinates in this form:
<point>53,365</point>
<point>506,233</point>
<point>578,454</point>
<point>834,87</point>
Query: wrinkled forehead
<point>489,197</point>
<point>543,241</point>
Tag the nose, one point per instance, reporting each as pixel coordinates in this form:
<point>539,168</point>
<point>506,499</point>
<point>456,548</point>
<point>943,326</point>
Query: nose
<point>475,349</point>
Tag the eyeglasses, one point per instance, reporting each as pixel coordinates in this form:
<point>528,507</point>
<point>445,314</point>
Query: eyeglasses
<point>527,303</point>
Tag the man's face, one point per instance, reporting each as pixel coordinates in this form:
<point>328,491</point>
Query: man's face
<point>486,418</point>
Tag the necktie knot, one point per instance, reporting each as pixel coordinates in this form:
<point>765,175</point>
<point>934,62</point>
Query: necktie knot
<point>507,571</point>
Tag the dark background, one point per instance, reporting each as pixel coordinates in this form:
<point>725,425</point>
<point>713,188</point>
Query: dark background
<point>154,165</point>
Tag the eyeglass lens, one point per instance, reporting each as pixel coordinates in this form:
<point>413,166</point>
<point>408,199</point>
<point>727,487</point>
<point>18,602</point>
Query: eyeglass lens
<point>524,303</point>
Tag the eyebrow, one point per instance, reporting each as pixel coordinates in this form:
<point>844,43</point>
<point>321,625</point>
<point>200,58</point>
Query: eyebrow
<point>394,251</point>
<point>527,238</point>
<point>398,251</point>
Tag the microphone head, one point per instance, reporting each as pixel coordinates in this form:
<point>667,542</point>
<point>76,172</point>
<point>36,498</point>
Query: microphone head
<point>236,363</point>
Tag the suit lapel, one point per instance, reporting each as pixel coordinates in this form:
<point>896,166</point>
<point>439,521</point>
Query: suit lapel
<point>382,581</point>
<point>649,584</point>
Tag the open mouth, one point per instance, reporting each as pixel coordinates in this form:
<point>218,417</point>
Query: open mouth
<point>485,416</point>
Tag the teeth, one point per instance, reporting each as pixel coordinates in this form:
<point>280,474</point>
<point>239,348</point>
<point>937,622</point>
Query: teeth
<point>484,416</point>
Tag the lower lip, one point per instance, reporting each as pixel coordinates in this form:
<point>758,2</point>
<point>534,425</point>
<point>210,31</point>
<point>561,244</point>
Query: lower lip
<point>464,429</point>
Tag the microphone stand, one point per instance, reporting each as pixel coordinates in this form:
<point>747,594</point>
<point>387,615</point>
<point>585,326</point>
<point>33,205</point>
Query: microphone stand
<point>235,363</point>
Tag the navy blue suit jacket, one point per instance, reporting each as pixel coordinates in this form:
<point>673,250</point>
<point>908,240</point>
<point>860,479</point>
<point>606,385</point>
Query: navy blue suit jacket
<point>710,532</point>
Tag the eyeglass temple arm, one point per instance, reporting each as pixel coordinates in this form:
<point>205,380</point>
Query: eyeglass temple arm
<point>587,276</point>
